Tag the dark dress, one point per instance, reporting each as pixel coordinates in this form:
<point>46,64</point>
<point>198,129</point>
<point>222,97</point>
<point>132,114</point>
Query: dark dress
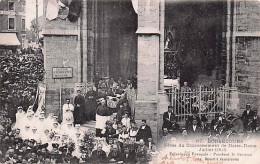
<point>91,105</point>
<point>79,109</point>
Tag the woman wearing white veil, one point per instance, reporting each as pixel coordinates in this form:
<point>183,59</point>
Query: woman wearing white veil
<point>20,115</point>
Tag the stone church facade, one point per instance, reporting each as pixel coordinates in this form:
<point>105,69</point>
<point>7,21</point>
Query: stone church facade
<point>114,39</point>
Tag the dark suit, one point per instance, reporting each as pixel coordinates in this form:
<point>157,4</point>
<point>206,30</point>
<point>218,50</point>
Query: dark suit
<point>116,155</point>
<point>91,105</point>
<point>168,120</point>
<point>204,129</point>
<point>98,156</point>
<point>191,131</point>
<point>144,134</point>
<point>129,158</point>
<point>141,154</point>
<point>246,116</point>
<point>79,109</point>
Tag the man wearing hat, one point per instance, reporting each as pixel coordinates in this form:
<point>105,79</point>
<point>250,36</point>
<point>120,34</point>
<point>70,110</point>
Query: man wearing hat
<point>79,103</point>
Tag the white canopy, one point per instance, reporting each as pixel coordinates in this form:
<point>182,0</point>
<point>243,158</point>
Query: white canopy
<point>9,39</point>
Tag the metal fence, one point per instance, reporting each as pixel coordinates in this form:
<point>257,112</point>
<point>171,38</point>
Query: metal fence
<point>201,100</point>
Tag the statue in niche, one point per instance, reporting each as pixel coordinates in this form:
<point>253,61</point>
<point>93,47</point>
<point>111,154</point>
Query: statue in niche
<point>169,39</point>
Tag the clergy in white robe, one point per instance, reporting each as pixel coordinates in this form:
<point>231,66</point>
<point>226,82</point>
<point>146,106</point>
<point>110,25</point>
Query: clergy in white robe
<point>68,109</point>
<point>103,115</point>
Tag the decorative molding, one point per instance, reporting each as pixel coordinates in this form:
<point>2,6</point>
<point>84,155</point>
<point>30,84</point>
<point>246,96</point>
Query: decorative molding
<point>247,34</point>
<point>148,31</point>
<point>59,32</point>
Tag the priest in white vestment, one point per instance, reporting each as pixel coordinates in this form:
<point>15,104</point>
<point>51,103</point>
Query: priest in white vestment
<point>68,109</point>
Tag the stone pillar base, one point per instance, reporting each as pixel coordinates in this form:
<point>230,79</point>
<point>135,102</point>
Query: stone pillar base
<point>163,104</point>
<point>148,110</point>
<point>233,101</point>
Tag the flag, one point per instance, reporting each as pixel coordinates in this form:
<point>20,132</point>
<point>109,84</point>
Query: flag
<point>135,5</point>
<point>52,10</point>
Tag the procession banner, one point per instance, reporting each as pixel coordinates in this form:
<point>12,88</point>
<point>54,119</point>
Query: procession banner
<point>41,99</point>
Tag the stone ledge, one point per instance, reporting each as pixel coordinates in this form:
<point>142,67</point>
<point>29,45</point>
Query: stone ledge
<point>59,32</point>
<point>247,34</point>
<point>148,31</point>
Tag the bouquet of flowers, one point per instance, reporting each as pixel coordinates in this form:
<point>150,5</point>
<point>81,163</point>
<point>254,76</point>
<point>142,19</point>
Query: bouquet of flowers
<point>88,145</point>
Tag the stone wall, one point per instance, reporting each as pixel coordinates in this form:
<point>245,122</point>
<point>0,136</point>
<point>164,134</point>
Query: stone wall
<point>57,50</point>
<point>61,49</point>
<point>247,77</point>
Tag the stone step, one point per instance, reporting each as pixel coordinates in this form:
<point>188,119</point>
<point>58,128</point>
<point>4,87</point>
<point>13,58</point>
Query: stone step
<point>90,125</point>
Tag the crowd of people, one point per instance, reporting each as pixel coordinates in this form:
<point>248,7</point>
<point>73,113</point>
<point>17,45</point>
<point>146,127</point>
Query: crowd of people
<point>20,74</point>
<point>39,139</point>
<point>29,136</point>
<point>106,102</point>
<point>113,92</point>
<point>223,125</point>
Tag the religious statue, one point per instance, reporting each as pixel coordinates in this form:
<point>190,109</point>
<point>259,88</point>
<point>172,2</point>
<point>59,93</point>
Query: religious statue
<point>169,38</point>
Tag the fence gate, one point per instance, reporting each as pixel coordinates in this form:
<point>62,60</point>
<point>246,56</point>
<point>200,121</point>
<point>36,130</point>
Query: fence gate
<point>202,100</point>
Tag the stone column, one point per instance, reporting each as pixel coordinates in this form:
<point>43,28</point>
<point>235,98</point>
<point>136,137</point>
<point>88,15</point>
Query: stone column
<point>163,101</point>
<point>84,41</point>
<point>148,64</point>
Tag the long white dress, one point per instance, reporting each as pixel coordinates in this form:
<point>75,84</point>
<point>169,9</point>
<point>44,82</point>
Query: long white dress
<point>20,116</point>
<point>67,113</point>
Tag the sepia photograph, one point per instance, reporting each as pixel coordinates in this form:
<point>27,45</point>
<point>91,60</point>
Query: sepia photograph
<point>129,81</point>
